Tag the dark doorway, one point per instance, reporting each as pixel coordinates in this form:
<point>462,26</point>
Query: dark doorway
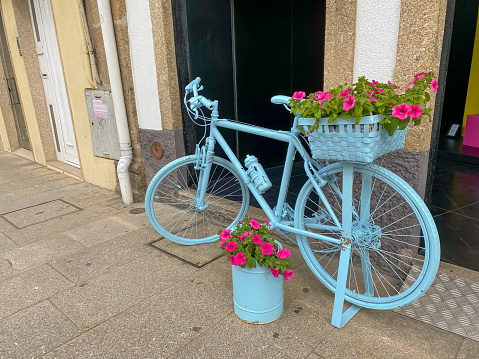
<point>452,192</point>
<point>246,53</point>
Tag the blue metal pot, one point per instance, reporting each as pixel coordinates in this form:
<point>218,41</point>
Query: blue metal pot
<point>257,295</point>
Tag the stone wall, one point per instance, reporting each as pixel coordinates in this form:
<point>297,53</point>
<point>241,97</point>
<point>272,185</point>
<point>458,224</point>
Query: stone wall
<point>120,24</point>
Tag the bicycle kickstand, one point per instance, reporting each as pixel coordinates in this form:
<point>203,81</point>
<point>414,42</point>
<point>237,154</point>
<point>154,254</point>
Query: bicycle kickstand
<point>339,317</point>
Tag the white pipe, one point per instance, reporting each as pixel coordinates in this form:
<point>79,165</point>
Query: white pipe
<point>118,100</point>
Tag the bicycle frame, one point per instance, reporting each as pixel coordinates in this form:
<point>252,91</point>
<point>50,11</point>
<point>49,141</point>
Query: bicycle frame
<point>294,145</point>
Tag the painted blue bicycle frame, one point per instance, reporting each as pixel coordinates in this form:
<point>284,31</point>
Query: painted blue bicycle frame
<point>294,146</point>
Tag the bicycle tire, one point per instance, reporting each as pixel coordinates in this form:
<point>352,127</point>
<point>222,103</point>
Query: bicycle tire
<point>182,222</point>
<point>385,251</point>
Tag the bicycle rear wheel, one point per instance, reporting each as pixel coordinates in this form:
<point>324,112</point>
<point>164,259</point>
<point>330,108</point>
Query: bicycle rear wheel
<point>170,201</point>
<point>395,246</point>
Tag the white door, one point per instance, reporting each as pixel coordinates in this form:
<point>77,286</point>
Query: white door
<point>53,81</point>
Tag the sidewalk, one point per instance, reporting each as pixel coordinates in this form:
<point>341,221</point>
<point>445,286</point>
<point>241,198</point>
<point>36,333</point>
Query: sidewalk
<point>84,276</point>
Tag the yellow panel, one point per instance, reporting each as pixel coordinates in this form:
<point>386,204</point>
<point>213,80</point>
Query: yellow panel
<point>69,34</point>
<point>472,99</point>
<point>22,81</point>
<point>3,134</point>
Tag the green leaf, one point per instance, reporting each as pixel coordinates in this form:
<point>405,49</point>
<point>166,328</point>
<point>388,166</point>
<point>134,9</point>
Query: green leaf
<point>403,124</point>
<point>427,96</point>
<point>392,126</point>
<point>332,117</point>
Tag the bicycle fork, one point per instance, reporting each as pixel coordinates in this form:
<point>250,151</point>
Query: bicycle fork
<point>203,164</point>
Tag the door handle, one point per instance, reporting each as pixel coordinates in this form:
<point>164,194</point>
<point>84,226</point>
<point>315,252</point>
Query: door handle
<point>45,76</point>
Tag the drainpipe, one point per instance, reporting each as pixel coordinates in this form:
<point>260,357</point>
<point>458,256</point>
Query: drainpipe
<point>118,100</point>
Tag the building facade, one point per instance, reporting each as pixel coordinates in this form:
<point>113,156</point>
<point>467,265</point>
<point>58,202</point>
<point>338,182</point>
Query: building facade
<point>56,65</point>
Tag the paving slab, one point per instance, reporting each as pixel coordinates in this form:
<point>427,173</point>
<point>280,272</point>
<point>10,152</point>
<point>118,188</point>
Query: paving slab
<point>39,213</point>
<point>28,288</point>
<point>57,193</point>
<point>35,178</point>
<point>5,226</point>
<point>42,251</point>
<point>35,331</point>
<point>91,196</point>
<point>61,224</point>
<point>91,262</point>
<point>302,326</point>
<point>383,334</point>
<point>22,192</point>
<point>99,231</point>
<point>104,297</point>
<point>469,350</point>
<point>135,213</point>
<point>198,255</point>
<point>6,244</point>
<point>153,329</point>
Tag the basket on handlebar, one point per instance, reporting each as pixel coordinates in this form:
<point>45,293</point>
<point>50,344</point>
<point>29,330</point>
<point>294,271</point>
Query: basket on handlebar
<point>343,140</point>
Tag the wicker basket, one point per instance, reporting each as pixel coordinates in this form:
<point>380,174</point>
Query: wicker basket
<point>342,140</point>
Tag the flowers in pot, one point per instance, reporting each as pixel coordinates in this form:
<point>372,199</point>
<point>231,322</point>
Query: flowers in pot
<point>250,243</point>
<point>397,106</point>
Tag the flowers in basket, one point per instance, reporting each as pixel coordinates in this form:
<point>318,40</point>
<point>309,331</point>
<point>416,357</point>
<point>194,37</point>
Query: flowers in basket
<point>398,106</point>
<point>250,243</point>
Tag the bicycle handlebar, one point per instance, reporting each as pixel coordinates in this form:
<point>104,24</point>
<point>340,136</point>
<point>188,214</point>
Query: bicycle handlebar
<point>280,99</point>
<point>196,101</point>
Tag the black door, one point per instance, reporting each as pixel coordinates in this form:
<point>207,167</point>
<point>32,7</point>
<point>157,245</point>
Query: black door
<point>246,52</point>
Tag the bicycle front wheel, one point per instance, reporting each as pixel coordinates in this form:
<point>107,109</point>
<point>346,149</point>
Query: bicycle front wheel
<point>171,206</point>
<point>395,246</point>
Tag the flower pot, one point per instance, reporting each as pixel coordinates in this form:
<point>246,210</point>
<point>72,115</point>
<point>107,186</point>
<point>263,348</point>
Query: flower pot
<point>257,295</point>
<point>343,140</point>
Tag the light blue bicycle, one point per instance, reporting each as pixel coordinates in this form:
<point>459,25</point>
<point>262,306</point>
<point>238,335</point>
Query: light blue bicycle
<point>363,231</point>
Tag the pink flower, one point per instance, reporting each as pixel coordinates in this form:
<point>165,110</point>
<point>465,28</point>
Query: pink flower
<point>242,236</point>
<point>434,85</point>
<point>288,274</point>
<point>299,95</point>
<point>222,242</point>
<point>266,222</point>
<point>348,103</point>
<point>267,248</point>
<point>414,111</point>
<point>284,253</point>
<point>374,82</point>
<point>372,99</point>
<point>321,96</point>
<point>257,239</point>
<point>226,234</point>
<point>419,76</point>
<point>274,272</point>
<point>401,111</point>
<point>231,246</point>
<point>254,224</point>
<point>232,259</point>
<point>344,93</point>
<point>410,85</point>
<point>250,233</point>
<point>240,259</point>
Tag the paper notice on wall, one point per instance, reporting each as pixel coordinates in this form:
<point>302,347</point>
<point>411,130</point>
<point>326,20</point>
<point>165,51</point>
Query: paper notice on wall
<point>99,109</point>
